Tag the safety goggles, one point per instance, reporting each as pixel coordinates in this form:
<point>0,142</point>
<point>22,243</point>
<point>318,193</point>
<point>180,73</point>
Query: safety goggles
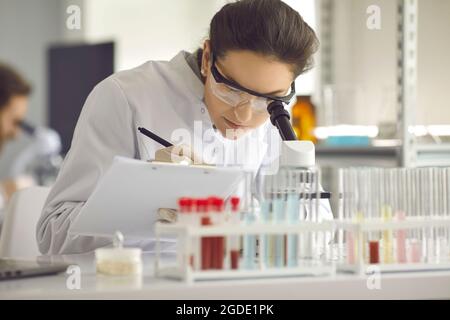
<point>234,94</point>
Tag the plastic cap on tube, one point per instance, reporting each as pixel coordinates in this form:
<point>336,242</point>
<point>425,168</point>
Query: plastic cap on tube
<point>235,203</point>
<point>212,203</point>
<point>185,205</point>
<point>189,204</point>
<point>202,205</point>
<point>218,204</point>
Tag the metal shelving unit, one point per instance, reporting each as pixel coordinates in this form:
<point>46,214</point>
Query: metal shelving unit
<point>413,154</point>
<point>407,77</point>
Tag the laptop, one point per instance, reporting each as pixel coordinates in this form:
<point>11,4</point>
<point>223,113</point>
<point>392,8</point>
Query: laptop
<point>13,269</point>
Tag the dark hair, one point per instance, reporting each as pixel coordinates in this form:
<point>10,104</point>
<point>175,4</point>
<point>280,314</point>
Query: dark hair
<point>268,27</point>
<point>11,84</point>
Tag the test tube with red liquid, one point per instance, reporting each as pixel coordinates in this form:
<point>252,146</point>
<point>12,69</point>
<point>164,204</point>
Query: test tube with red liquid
<point>234,241</point>
<point>206,242</point>
<point>216,205</point>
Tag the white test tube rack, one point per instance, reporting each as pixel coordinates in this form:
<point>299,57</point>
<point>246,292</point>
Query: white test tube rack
<point>181,269</point>
<point>429,261</point>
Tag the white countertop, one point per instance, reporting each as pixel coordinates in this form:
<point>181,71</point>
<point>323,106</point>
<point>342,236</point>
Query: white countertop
<point>412,285</point>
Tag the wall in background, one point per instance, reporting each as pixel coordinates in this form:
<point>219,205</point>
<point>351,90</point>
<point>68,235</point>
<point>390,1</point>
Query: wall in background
<point>434,62</point>
<point>364,63</point>
<point>178,25</point>
<point>307,9</point>
<point>366,60</point>
<point>149,30</point>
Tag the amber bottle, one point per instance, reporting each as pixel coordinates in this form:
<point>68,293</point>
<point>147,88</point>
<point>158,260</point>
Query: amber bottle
<point>304,119</point>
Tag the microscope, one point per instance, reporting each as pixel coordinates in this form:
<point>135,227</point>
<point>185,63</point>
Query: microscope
<point>42,157</point>
<point>294,153</point>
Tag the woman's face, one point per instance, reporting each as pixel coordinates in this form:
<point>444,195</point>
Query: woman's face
<point>250,70</point>
<point>10,117</point>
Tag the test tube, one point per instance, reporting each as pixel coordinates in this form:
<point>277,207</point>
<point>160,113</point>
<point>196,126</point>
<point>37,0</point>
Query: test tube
<point>447,209</point>
<point>374,236</point>
<point>308,208</point>
<point>356,214</point>
<point>350,241</point>
<point>324,238</point>
<point>270,219</point>
<point>442,198</point>
<point>414,200</point>
<point>340,231</point>
<point>446,198</point>
<point>249,218</point>
<point>416,242</point>
<point>194,222</point>
<point>214,221</point>
<point>432,249</point>
<point>279,239</point>
<point>278,212</point>
<point>265,218</point>
<point>220,240</point>
<point>234,241</point>
<point>434,213</point>
<point>206,242</point>
<point>401,216</point>
<point>319,237</point>
<point>387,215</point>
<point>292,217</point>
<point>408,198</point>
<point>218,243</point>
<point>361,205</point>
<point>426,207</point>
<point>374,251</point>
<point>373,211</point>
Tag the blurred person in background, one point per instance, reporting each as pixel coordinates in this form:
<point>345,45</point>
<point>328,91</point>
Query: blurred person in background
<point>14,93</point>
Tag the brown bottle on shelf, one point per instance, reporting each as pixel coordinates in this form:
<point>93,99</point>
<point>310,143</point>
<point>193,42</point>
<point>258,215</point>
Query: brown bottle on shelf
<point>304,119</point>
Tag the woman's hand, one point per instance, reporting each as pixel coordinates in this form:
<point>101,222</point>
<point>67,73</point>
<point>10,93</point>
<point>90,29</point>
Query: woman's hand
<point>178,154</point>
<point>167,215</point>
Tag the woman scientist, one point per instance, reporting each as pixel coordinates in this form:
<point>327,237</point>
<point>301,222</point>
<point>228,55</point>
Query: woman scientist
<point>219,95</point>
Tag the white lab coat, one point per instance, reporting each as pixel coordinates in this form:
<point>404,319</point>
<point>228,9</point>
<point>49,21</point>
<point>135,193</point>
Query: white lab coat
<point>161,96</point>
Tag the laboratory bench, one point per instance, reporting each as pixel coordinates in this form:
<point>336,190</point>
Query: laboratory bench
<point>407,285</point>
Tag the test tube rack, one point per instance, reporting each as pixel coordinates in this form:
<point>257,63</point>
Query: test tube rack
<point>406,251</point>
<point>187,269</point>
<point>393,220</point>
<point>281,237</point>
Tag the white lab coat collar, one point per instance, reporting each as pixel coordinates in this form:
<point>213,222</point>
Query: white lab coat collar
<point>190,78</point>
<point>198,110</point>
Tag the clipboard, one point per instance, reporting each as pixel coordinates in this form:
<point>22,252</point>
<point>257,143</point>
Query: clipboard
<point>128,196</point>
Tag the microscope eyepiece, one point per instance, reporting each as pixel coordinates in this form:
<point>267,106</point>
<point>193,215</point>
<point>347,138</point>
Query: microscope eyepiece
<point>27,127</point>
<point>280,119</point>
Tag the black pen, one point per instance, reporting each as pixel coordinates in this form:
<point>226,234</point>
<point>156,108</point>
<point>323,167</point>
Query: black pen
<point>153,136</point>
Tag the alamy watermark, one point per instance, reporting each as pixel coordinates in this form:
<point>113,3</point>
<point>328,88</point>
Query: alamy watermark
<point>249,151</point>
<point>73,21</point>
<point>73,280</point>
<point>373,281</point>
<point>373,21</point>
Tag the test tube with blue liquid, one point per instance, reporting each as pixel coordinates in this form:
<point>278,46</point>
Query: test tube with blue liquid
<point>292,217</point>
<point>249,218</point>
<point>266,218</point>
<point>278,214</point>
